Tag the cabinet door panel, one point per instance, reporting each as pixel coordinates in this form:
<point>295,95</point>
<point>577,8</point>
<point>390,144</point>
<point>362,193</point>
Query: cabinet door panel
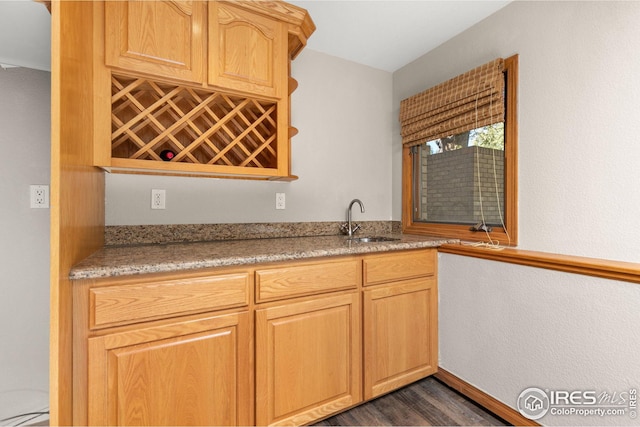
<point>190,373</point>
<point>308,360</point>
<point>162,38</point>
<point>400,335</point>
<point>247,51</point>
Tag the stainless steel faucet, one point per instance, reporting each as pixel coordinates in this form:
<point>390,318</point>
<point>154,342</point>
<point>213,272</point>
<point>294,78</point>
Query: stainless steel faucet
<point>349,229</point>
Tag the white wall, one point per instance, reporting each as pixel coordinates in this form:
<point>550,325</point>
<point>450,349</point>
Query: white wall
<point>343,113</point>
<point>24,241</point>
<point>504,327</point>
<point>578,104</point>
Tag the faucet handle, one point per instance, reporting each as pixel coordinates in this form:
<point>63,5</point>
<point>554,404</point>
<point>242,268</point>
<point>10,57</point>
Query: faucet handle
<point>356,228</point>
<point>344,228</point>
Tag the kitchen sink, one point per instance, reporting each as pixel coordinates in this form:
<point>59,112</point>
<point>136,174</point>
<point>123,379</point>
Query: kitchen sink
<point>372,239</point>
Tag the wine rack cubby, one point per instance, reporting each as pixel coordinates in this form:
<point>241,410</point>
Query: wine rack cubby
<point>200,125</point>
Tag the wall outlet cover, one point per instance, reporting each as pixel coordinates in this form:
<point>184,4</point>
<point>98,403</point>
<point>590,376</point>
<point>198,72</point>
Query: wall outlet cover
<point>158,199</point>
<point>39,196</point>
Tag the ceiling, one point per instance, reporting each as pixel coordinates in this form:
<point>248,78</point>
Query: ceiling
<point>25,34</point>
<point>388,34</point>
<point>384,34</point>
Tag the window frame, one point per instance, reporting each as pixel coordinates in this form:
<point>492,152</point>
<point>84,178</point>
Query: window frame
<point>507,235</point>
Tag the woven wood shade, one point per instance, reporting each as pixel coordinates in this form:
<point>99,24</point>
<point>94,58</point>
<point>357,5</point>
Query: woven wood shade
<point>469,101</point>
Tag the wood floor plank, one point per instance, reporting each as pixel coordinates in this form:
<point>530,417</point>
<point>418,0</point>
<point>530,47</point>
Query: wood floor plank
<point>370,416</point>
<point>401,411</point>
<point>456,406</point>
<point>428,402</point>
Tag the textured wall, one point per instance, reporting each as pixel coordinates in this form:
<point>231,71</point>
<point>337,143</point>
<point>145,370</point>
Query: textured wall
<point>578,96</point>
<point>24,241</point>
<point>504,327</point>
<point>343,112</point>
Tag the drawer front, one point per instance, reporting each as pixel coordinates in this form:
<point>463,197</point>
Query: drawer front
<point>307,279</point>
<point>399,266</point>
<point>123,304</point>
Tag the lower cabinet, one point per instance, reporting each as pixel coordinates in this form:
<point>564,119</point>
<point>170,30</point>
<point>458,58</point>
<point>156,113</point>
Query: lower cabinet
<point>185,373</point>
<point>400,334</point>
<point>276,344</point>
<point>308,359</point>
<point>400,305</point>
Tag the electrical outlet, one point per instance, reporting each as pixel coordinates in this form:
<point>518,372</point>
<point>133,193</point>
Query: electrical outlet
<point>158,199</point>
<point>280,201</point>
<point>39,196</point>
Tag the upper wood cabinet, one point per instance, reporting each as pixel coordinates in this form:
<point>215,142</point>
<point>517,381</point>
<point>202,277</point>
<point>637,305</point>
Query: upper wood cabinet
<point>205,81</point>
<point>247,51</point>
<point>161,38</point>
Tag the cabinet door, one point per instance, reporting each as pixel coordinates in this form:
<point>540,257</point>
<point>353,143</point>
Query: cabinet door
<point>161,38</point>
<point>247,51</point>
<point>190,373</point>
<point>308,360</point>
<point>400,334</point>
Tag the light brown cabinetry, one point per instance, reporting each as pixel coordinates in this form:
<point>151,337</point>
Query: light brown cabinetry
<point>207,81</point>
<point>139,301</point>
<point>164,350</point>
<point>247,51</point>
<point>273,344</point>
<point>308,359</point>
<point>161,38</point>
<point>185,373</point>
<point>384,268</point>
<point>301,279</point>
<point>400,320</point>
<point>308,350</point>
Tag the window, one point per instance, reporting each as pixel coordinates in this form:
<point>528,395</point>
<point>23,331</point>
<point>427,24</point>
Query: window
<point>460,159</point>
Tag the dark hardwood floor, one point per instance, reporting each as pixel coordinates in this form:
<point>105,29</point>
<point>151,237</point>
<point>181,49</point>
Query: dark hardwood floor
<point>425,403</point>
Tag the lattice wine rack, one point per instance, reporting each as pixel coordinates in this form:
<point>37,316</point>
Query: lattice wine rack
<point>200,126</point>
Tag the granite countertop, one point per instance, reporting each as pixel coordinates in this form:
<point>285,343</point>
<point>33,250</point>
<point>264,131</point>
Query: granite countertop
<point>161,258</point>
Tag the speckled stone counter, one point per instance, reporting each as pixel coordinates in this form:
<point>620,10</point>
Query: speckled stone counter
<point>162,258</point>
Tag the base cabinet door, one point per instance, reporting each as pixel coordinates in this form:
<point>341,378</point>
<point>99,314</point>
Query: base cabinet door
<point>194,372</point>
<point>400,334</point>
<point>308,359</point>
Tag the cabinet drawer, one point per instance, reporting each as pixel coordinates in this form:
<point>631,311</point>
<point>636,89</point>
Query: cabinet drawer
<point>307,279</point>
<point>399,266</point>
<point>122,304</point>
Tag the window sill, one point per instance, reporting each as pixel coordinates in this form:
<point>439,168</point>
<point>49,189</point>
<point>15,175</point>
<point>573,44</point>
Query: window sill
<point>461,232</point>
